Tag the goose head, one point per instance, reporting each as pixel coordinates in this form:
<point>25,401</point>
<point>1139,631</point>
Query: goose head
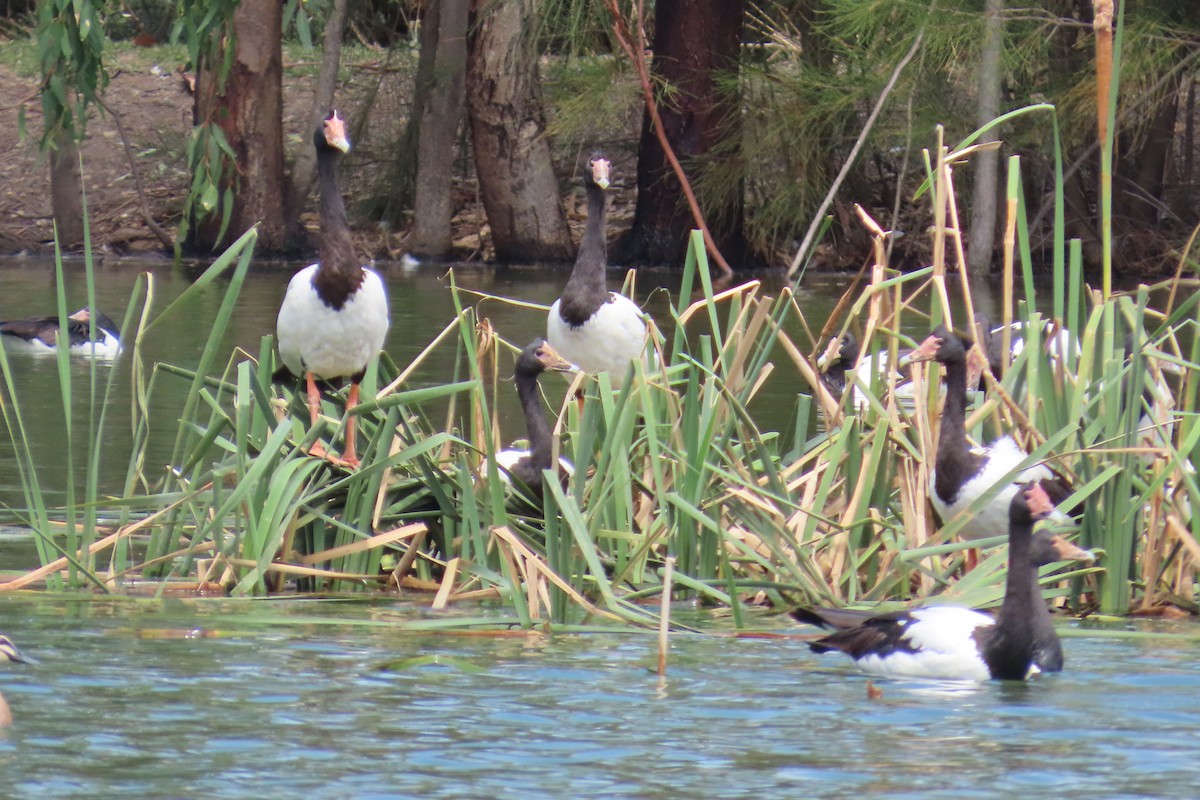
<point>332,134</point>
<point>946,347</point>
<point>840,354</point>
<point>599,171</point>
<point>1029,505</point>
<point>1050,547</point>
<point>538,357</point>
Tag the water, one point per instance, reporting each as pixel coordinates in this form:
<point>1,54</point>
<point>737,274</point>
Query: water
<point>221,698</point>
<point>217,698</point>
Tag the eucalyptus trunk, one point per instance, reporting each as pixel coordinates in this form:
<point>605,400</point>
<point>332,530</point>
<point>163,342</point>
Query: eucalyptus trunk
<point>304,169</point>
<point>440,77</point>
<point>512,158</point>
<point>695,41</point>
<point>985,200</point>
<point>249,111</point>
<point>66,191</point>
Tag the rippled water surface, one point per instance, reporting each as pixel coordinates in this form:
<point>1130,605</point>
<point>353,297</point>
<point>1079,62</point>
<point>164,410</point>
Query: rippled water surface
<point>273,698</point>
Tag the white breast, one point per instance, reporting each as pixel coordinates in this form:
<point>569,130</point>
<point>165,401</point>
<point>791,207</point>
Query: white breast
<point>992,520</point>
<point>331,343</point>
<point>611,338</point>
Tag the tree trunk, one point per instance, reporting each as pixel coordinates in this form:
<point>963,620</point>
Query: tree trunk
<point>982,233</point>
<point>250,113</point>
<point>512,159</point>
<point>66,191</point>
<point>440,75</point>
<point>694,41</point>
<point>304,169</point>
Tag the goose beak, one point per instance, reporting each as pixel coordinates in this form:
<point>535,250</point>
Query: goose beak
<point>926,351</point>
<point>976,363</point>
<point>335,132</point>
<point>1067,551</point>
<point>551,360</point>
<point>600,172</point>
<point>831,354</point>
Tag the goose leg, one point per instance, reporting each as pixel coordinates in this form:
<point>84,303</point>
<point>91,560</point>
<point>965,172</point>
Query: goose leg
<point>351,453</point>
<point>314,412</point>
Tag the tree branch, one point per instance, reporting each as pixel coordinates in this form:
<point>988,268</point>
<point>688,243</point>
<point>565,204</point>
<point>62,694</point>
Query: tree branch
<point>621,31</point>
<point>154,227</point>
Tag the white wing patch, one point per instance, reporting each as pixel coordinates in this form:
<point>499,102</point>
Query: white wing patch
<point>1003,455</point>
<point>945,647</point>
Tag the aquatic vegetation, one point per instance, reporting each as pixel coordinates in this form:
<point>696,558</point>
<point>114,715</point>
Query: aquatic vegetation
<point>670,465</point>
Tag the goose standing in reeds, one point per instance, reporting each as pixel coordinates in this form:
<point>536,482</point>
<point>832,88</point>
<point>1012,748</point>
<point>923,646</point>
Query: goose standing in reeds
<point>835,367</point>
<point>593,328</point>
<point>87,334</point>
<point>952,643</point>
<point>334,318</point>
<point>962,473</point>
<point>527,466</point>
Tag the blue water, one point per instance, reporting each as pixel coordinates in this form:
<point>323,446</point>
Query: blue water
<point>215,698</point>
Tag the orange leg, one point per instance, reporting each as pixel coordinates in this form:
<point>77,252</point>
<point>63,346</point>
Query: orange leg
<point>314,411</point>
<point>351,456</point>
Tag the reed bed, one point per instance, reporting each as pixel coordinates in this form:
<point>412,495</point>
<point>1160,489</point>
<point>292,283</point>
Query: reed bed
<point>670,467</point>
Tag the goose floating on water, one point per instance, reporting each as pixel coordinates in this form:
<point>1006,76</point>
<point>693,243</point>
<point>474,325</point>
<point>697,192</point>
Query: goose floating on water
<point>334,317</point>
<point>962,473</point>
<point>593,328</point>
<point>527,466</point>
<point>41,334</point>
<point>9,652</point>
<point>953,643</point>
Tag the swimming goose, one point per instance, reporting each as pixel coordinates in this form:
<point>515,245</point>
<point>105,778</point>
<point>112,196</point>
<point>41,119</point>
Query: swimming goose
<point>334,317</point>
<point>9,652</point>
<point>952,643</point>
<point>40,334</point>
<point>1047,547</point>
<point>962,473</point>
<point>527,465</point>
<point>593,328</point>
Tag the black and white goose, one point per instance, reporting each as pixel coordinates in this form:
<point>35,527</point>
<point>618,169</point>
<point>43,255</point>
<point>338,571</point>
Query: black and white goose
<point>841,357</point>
<point>1047,547</point>
<point>593,328</point>
<point>962,473</point>
<point>88,334</point>
<point>1056,340</point>
<point>952,643</point>
<point>9,652</point>
<point>334,317</point>
<point>527,466</point>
